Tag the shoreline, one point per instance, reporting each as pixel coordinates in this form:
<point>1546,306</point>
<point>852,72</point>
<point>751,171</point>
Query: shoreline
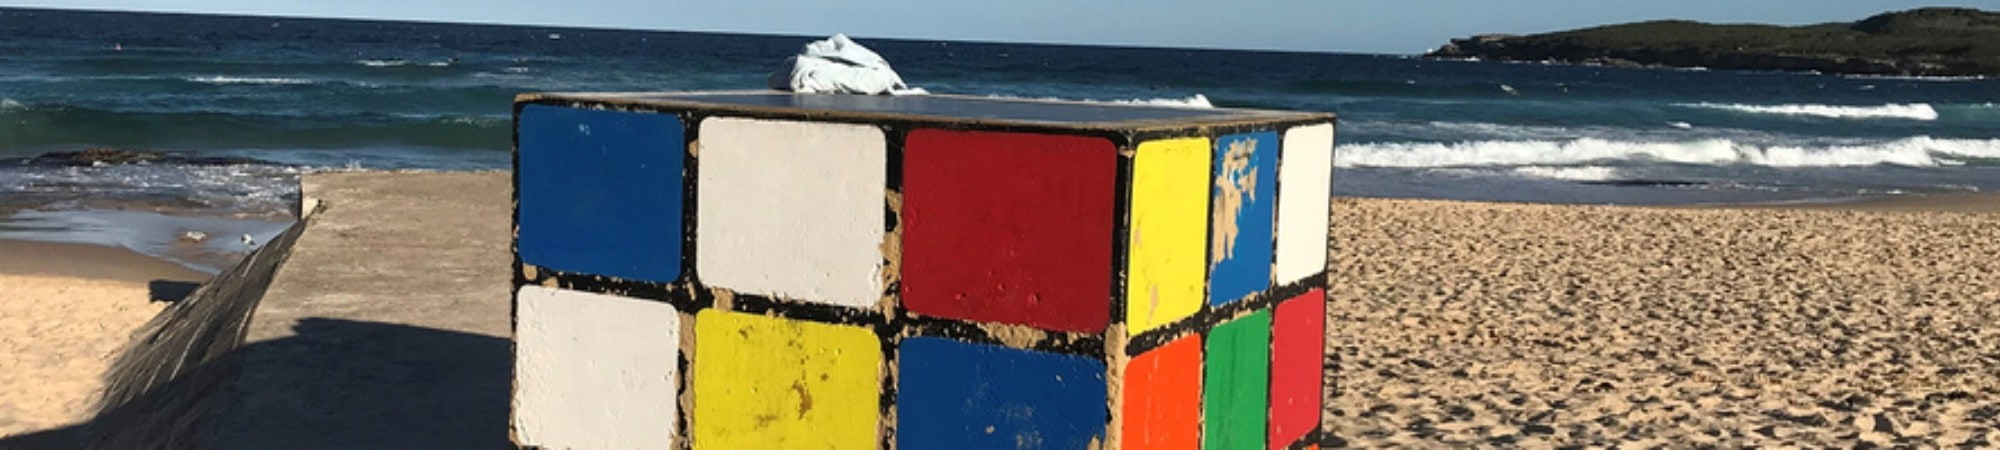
<point>29,258</point>
<point>66,312</point>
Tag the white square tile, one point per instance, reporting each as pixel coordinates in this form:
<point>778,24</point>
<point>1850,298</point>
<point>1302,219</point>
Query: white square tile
<point>595,371</point>
<point>791,209</point>
<point>1305,189</point>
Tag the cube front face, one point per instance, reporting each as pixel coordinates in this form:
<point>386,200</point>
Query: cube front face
<point>818,279</point>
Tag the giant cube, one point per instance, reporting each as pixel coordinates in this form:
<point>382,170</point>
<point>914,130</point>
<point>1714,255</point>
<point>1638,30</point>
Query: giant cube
<point>773,270</point>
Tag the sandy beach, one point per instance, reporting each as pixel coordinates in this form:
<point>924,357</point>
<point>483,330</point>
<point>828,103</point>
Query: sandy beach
<point>1459,324</point>
<point>64,312</point>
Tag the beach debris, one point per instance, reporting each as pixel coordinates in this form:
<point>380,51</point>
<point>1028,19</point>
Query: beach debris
<point>838,65</point>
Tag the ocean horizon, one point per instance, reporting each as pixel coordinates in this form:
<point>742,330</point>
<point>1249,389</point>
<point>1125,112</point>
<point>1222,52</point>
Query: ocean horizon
<point>245,104</point>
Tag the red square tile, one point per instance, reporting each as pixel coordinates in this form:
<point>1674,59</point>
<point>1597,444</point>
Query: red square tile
<point>1008,227</point>
<point>1298,341</point>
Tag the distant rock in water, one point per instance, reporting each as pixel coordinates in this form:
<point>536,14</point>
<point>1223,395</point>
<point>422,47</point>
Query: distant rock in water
<point>1922,42</point>
<point>110,156</point>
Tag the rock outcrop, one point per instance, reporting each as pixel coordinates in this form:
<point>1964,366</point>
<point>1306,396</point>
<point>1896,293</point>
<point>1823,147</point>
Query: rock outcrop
<point>1923,42</point>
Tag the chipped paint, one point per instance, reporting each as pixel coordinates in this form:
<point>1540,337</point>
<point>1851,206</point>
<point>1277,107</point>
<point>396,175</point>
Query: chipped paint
<point>1235,184</point>
<point>1241,214</point>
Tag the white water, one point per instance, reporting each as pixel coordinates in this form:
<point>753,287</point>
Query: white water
<point>247,80</point>
<point>1910,111</point>
<point>1921,151</point>
<point>1583,173</point>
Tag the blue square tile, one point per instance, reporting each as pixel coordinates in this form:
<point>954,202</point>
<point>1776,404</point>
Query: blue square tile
<point>600,192</point>
<point>963,396</point>
<point>1243,190</point>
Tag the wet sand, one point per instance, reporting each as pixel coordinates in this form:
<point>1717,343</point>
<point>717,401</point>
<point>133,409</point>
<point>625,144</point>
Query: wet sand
<point>1468,324</point>
<point>65,310</point>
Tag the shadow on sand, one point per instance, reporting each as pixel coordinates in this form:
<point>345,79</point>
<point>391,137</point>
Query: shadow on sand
<point>415,388</point>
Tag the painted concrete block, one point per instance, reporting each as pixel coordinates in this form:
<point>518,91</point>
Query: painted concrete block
<point>1169,218</point>
<point>767,382</point>
<point>956,395</point>
<point>1298,345</point>
<point>1009,227</point>
<point>1240,222</point>
<point>1305,191</point>
<point>917,272</point>
<point>1236,383</point>
<point>600,192</point>
<point>595,371</point>
<point>1162,404</point>
<point>792,209</point>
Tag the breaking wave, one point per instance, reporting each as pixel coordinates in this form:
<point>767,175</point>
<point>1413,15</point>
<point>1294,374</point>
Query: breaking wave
<point>1581,173</point>
<point>1921,151</point>
<point>248,80</point>
<point>400,63</point>
<point>1910,111</point>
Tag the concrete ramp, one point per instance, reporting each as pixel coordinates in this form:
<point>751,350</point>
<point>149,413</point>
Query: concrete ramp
<point>388,326</point>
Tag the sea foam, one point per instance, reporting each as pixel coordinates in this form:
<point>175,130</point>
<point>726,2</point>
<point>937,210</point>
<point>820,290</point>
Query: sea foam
<point>1911,111</point>
<point>1921,151</point>
<point>247,80</point>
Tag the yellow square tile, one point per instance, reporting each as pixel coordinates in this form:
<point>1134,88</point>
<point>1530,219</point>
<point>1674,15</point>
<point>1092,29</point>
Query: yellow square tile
<point>1169,232</point>
<point>768,382</point>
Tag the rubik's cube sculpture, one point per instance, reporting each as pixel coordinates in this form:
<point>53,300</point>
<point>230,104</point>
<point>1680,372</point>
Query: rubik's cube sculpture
<point>752,270</point>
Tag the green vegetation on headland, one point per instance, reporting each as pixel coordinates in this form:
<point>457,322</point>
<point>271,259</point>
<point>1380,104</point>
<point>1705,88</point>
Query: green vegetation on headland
<point>1922,42</point>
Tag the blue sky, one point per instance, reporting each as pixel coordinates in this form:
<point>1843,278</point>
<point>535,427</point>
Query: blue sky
<point>1368,26</point>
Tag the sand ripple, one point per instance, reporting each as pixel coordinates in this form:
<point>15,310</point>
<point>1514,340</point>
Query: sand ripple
<point>1484,324</point>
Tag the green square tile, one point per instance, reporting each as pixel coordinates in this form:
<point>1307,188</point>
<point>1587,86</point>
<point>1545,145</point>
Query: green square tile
<point>1236,383</point>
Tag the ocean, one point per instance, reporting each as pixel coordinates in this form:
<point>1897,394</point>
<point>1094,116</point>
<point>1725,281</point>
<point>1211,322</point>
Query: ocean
<point>245,104</point>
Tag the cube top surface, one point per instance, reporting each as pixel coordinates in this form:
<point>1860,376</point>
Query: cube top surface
<point>936,109</point>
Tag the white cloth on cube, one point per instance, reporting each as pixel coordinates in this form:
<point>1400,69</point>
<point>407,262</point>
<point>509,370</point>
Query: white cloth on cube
<point>837,65</point>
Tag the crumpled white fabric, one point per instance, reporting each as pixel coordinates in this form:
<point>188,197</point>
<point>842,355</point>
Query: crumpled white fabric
<point>837,65</point>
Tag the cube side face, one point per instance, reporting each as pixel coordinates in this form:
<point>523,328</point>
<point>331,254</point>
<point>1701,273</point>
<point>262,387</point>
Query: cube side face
<point>1169,218</point>
<point>768,382</point>
<point>953,394</point>
<point>1013,228</point>
<point>595,371</point>
<point>792,209</point>
<point>623,219</point>
<point>1305,180</point>
<point>1240,227</point>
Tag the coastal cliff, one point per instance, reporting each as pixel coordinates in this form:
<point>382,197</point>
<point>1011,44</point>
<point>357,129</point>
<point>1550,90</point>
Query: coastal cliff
<point>1921,42</point>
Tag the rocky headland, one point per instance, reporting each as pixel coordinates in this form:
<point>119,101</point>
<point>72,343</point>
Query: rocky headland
<point>1921,42</point>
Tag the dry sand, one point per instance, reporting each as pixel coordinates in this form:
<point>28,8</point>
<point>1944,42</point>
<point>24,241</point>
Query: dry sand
<point>65,310</point>
<point>1457,324</point>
